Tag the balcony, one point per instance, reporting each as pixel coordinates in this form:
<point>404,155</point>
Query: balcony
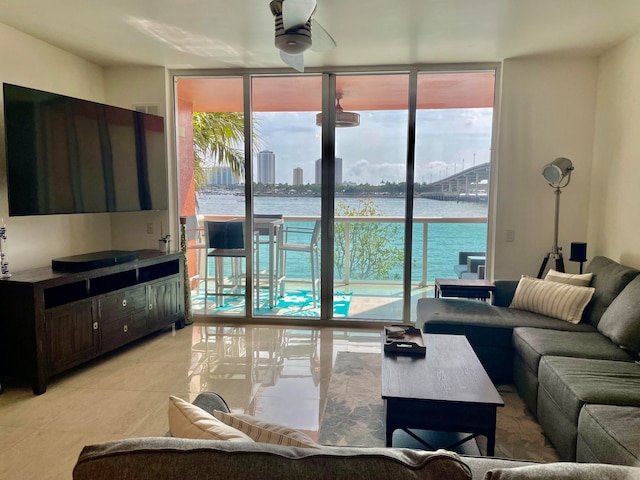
<point>373,293</point>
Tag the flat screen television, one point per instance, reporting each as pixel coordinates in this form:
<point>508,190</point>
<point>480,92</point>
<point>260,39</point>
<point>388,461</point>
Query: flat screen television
<point>67,155</point>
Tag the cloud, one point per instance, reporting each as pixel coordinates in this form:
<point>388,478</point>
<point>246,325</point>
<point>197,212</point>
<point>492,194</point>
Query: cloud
<point>447,141</point>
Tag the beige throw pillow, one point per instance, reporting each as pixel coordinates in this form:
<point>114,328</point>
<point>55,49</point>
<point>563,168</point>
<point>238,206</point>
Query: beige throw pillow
<point>580,280</point>
<point>189,421</point>
<point>264,432</point>
<point>554,299</point>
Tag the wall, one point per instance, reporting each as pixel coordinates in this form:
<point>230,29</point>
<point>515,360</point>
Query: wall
<point>128,87</point>
<point>615,197</point>
<point>547,111</point>
<point>34,241</point>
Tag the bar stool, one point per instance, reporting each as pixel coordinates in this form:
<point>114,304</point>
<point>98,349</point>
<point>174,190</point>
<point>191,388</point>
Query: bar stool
<point>224,239</point>
<point>291,241</point>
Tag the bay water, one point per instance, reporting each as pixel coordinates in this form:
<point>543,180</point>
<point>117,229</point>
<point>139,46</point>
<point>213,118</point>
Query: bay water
<point>445,240</point>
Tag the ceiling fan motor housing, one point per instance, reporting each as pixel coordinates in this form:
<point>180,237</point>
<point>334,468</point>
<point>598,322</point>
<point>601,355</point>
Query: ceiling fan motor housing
<point>295,40</point>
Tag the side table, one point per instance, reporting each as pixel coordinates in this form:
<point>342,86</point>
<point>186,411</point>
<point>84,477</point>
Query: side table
<point>464,288</point>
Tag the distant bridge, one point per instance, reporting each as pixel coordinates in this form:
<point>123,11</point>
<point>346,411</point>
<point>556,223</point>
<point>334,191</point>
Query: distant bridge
<point>470,185</point>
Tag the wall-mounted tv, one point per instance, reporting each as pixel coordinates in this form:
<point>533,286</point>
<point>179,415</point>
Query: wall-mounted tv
<point>67,155</point>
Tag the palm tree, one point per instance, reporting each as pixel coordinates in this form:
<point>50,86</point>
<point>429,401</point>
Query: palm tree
<point>218,139</point>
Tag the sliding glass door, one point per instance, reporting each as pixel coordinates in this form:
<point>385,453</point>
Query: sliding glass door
<point>286,194</point>
<point>454,124</point>
<point>352,222</point>
<point>370,193</point>
<point>210,130</point>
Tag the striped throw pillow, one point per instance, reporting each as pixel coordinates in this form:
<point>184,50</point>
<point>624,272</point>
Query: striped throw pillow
<point>579,279</point>
<point>264,432</point>
<point>190,421</point>
<point>553,299</point>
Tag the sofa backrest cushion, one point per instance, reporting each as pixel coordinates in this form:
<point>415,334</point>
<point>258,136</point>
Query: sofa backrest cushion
<point>565,471</point>
<point>165,458</point>
<point>621,321</point>
<point>609,278</point>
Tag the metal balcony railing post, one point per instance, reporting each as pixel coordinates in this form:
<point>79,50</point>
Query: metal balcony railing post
<point>425,243</point>
<point>347,252</point>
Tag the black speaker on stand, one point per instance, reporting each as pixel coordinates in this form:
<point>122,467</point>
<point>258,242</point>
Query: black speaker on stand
<point>578,253</point>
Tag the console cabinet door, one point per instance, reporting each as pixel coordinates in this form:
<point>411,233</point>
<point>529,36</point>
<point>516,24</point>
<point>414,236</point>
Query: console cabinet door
<point>72,335</point>
<point>165,303</point>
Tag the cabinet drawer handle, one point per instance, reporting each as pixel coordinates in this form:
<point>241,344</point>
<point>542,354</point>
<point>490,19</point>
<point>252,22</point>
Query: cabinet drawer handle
<point>95,325</point>
<point>126,328</point>
<point>124,302</point>
<point>150,306</point>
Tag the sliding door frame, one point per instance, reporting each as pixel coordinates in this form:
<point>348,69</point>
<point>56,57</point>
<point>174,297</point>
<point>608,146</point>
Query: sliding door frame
<point>328,178</point>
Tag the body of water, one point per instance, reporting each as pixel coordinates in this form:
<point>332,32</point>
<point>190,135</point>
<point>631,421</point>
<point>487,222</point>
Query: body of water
<point>310,206</point>
<point>445,240</point>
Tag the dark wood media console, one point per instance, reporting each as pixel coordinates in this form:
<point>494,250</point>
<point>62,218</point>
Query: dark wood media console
<point>51,321</point>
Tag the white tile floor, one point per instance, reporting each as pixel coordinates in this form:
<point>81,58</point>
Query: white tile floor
<point>276,373</point>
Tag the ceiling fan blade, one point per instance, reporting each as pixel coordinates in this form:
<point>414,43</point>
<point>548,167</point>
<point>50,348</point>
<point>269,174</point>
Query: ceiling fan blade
<point>296,13</point>
<point>295,61</point>
<point>322,41</point>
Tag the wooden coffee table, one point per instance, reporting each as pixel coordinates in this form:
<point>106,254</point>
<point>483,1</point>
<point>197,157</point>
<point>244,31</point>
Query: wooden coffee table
<point>447,390</point>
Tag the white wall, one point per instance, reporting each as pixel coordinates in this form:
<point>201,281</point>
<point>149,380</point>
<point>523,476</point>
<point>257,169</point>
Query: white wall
<point>34,241</point>
<point>547,111</point>
<point>614,228</point>
<point>127,87</point>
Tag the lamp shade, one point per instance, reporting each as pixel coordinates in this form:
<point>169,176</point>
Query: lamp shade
<point>555,171</point>
<point>343,119</point>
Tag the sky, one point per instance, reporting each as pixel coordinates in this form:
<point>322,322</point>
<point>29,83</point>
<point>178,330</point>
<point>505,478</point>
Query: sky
<point>447,141</point>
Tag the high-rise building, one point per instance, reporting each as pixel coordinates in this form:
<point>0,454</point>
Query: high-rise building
<point>221,176</point>
<point>266,167</point>
<point>297,176</point>
<point>338,165</point>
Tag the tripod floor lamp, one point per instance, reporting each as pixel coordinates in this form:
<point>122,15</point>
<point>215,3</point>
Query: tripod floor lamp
<point>558,174</point>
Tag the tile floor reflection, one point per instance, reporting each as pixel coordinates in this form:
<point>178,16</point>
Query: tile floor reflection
<point>279,374</point>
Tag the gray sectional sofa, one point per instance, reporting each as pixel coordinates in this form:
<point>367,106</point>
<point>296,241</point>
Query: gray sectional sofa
<point>167,458</point>
<point>581,381</point>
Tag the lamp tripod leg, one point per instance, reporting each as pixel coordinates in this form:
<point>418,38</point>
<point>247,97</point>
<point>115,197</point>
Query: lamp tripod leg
<point>545,260</point>
<point>559,262</point>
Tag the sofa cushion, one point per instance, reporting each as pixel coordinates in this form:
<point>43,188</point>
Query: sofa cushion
<point>565,471</point>
<point>484,324</point>
<point>621,321</point>
<point>531,344</point>
<point>265,432</point>
<point>573,382</point>
<point>609,278</point>
<point>189,421</point>
<point>170,458</point>
<point>481,465</point>
<point>578,279</point>
<point>610,434</point>
<point>554,299</point>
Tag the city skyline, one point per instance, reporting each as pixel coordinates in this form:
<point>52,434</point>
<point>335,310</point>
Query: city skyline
<point>447,141</point>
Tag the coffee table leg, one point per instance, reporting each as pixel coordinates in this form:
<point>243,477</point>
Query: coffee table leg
<point>491,444</point>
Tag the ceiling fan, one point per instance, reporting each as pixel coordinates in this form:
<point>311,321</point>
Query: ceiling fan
<point>294,21</point>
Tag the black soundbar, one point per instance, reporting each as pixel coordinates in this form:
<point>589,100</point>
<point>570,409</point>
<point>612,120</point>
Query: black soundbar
<point>90,261</point>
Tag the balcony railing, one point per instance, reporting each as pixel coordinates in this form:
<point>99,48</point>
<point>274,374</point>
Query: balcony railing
<point>435,245</point>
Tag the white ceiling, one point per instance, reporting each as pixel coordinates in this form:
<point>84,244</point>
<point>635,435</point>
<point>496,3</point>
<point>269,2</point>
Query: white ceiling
<point>239,33</point>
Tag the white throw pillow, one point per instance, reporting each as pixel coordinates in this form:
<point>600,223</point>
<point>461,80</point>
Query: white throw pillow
<point>554,299</point>
<point>578,279</point>
<point>264,432</point>
<point>189,421</point>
